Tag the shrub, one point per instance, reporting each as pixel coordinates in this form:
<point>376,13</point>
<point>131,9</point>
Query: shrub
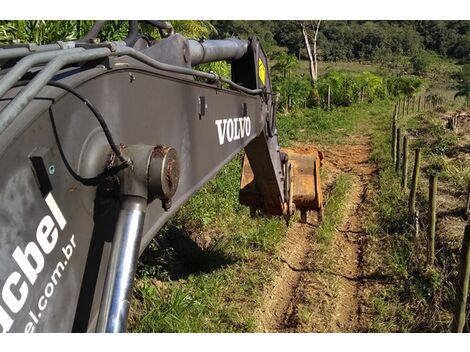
<point>403,85</point>
<point>348,88</point>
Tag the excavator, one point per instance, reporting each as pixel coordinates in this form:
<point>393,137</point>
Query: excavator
<point>101,142</point>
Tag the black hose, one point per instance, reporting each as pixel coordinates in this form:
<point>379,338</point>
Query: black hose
<point>133,33</point>
<point>92,181</point>
<point>161,25</point>
<point>94,31</point>
<point>86,181</point>
<point>98,116</point>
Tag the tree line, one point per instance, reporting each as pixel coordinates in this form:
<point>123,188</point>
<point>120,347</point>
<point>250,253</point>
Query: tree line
<point>361,40</point>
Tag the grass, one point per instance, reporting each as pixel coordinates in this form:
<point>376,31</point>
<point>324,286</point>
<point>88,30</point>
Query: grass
<point>207,270</point>
<point>213,286</point>
<point>317,306</point>
<point>335,207</point>
<point>327,66</point>
<point>420,298</point>
<point>320,126</point>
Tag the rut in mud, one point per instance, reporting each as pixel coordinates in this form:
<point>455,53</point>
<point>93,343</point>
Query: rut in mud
<point>299,277</point>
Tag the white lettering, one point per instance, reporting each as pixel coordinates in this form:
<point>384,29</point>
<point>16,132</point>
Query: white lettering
<point>220,131</point>
<point>14,301</point>
<point>57,273</point>
<point>233,129</point>
<point>241,123</point>
<point>42,306</point>
<point>23,259</point>
<point>33,316</point>
<point>229,130</point>
<point>45,230</point>
<point>236,133</point>
<point>58,216</point>
<point>5,321</point>
<point>29,328</point>
<point>67,250</point>
<point>49,290</point>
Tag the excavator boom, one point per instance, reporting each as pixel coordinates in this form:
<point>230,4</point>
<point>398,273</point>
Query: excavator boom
<point>102,142</point>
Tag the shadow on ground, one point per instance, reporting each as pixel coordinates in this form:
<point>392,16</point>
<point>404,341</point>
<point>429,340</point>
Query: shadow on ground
<point>174,254</point>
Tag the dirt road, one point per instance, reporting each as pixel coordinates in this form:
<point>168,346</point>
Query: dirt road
<point>310,296</point>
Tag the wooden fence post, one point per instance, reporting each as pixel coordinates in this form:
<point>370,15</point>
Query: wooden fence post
<point>404,173</point>
<point>394,134</point>
<point>413,104</point>
<point>419,103</point>
<point>329,97</point>
<point>416,224</point>
<point>462,285</point>
<point>403,107</point>
<point>397,161</point>
<point>467,207</point>
<point>432,219</point>
<point>408,105</point>
<point>414,184</point>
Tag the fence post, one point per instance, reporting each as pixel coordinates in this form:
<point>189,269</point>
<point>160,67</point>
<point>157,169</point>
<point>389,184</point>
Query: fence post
<point>394,134</point>
<point>329,97</point>
<point>432,219</point>
<point>407,105</point>
<point>397,160</point>
<point>416,224</point>
<point>419,103</point>
<point>462,285</point>
<point>414,184</point>
<point>403,107</point>
<point>404,174</point>
<point>467,207</point>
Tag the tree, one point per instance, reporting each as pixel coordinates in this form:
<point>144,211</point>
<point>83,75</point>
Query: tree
<point>463,89</point>
<point>285,63</point>
<point>312,55</point>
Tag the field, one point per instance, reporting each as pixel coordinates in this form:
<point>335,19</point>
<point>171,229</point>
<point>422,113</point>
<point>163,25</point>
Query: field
<point>214,268</point>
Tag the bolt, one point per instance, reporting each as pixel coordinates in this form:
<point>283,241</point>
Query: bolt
<point>52,170</point>
<point>166,204</point>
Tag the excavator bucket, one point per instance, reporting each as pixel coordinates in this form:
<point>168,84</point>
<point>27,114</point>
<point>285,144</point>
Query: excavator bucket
<point>302,186</point>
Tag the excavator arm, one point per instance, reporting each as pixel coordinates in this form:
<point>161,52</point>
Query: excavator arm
<point>101,143</point>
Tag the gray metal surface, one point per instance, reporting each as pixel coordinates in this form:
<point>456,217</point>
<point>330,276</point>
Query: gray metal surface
<point>8,54</point>
<point>11,111</point>
<point>215,50</point>
<point>55,281</point>
<point>137,111</point>
<point>115,302</point>
<point>16,72</point>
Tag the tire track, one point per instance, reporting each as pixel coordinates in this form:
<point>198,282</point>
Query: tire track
<point>295,282</point>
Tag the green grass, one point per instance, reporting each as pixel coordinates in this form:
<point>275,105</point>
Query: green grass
<point>335,207</point>
<point>215,289</point>
<point>418,298</point>
<point>314,309</point>
<point>220,287</point>
<point>333,127</point>
<point>327,66</point>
